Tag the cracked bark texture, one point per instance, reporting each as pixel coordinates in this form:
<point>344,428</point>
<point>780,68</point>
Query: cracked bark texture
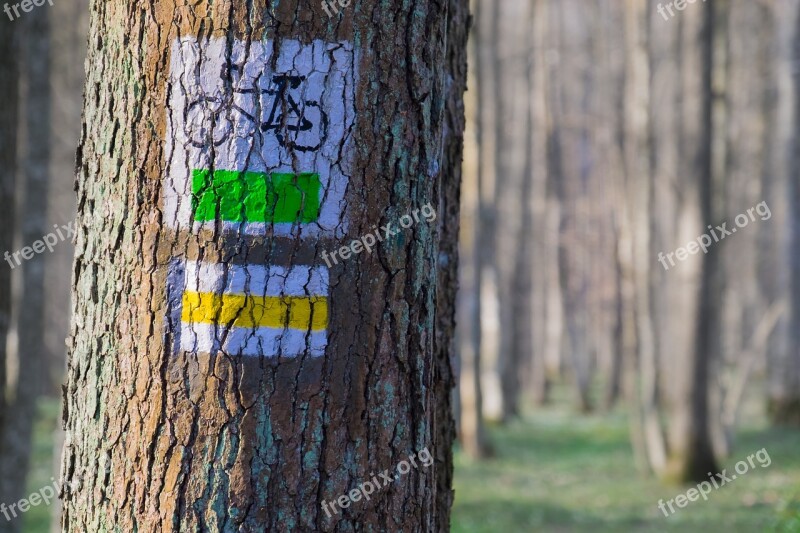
<point>159,442</point>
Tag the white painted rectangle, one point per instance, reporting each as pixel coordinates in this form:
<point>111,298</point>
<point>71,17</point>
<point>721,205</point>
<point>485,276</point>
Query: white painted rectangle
<point>249,280</point>
<point>226,115</point>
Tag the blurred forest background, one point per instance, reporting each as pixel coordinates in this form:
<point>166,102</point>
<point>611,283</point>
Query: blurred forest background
<point>594,381</point>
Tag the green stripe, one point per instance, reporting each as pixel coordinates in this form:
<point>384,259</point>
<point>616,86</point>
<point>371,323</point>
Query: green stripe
<point>234,196</point>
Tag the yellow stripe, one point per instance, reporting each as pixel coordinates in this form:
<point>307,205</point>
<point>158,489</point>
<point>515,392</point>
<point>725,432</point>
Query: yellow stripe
<point>242,311</point>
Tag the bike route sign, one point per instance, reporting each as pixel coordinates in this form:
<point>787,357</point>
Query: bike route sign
<point>258,137</point>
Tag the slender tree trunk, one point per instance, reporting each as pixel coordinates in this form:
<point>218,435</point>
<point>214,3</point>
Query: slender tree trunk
<point>226,370</point>
<point>520,331</point>
<point>691,450</point>
<point>452,145</point>
<point>774,270</point>
<point>638,339</point>
<point>784,404</point>
<point>68,51</point>
<point>503,205</point>
<point>9,92</point>
<point>26,377</point>
<point>539,379</point>
<point>473,436</point>
<point>607,130</point>
<point>567,154</point>
<point>677,311</point>
<point>486,21</point>
<point>68,55</point>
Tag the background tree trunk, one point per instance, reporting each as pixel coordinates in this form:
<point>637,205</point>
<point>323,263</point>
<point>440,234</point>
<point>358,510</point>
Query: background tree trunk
<point>9,93</point>
<point>691,451</point>
<point>521,324</point>
<point>638,335</point>
<point>448,256</point>
<point>160,438</point>
<point>486,25</point>
<point>570,166</point>
<point>684,296</point>
<point>785,404</point>
<point>472,433</point>
<point>68,50</point>
<point>775,272</point>
<point>536,148</point>
<point>27,361</point>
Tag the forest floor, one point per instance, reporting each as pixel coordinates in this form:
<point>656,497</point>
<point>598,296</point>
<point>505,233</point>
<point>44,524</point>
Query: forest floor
<point>554,471</point>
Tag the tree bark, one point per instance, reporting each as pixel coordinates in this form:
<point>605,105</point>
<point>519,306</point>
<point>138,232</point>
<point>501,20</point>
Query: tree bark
<point>175,419</point>
<point>444,380</point>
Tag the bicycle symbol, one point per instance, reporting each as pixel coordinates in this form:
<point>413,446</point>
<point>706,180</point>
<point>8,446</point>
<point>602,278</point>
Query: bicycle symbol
<point>212,120</point>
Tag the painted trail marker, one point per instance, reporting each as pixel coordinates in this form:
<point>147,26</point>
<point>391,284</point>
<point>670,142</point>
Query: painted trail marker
<point>258,138</point>
<point>250,310</point>
<point>257,198</point>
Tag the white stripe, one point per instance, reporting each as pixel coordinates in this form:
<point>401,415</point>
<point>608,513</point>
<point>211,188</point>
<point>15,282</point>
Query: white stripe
<point>269,342</point>
<point>330,74</point>
<point>259,280</point>
<point>324,224</point>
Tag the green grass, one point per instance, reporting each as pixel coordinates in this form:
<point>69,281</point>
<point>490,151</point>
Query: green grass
<point>553,471</point>
<point>43,465</point>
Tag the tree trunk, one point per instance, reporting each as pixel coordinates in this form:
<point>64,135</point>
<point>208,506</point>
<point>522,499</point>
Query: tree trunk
<point>448,258</point>
<point>227,370</point>
<point>9,92</point>
<point>678,308</point>
<point>27,360</point>
<point>521,325</point>
<point>539,379</point>
<point>775,270</point>
<point>637,336</point>
<point>68,50</point>
<point>568,168</point>
<point>472,433</point>
<point>486,21</point>
<point>784,401</point>
<point>691,451</point>
<point>513,202</point>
